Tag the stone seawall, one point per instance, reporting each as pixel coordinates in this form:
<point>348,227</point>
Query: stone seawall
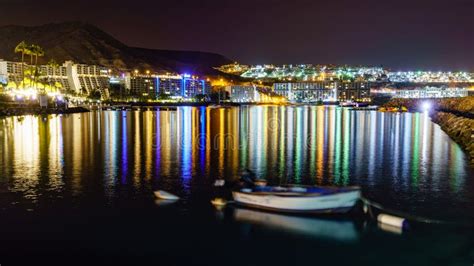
<point>460,129</point>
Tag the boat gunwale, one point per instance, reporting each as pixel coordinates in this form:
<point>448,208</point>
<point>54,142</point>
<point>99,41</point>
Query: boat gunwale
<point>295,194</point>
<point>328,187</point>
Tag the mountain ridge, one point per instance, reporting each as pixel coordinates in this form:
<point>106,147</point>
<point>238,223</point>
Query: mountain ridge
<point>85,43</point>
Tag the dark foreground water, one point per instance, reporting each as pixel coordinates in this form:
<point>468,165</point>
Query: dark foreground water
<point>77,189</point>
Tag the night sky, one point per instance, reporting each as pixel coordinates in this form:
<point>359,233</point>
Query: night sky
<point>402,35</point>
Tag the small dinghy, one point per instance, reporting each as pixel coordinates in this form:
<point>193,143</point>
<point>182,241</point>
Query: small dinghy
<point>299,199</point>
<point>161,194</point>
<point>219,202</point>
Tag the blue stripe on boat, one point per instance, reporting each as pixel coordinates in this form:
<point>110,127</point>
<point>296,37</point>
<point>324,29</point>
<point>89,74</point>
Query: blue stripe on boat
<point>319,190</point>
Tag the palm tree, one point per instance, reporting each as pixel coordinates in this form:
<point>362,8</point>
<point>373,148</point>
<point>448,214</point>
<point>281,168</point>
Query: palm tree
<point>54,65</point>
<point>30,50</point>
<point>35,51</point>
<point>38,52</point>
<point>22,48</point>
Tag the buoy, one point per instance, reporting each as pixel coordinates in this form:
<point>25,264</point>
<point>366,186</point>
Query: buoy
<point>393,221</point>
<point>161,194</point>
<point>365,208</point>
<point>390,229</point>
<point>219,202</point>
<point>219,183</point>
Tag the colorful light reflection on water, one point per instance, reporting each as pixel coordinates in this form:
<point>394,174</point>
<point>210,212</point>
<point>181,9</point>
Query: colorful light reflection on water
<point>399,159</point>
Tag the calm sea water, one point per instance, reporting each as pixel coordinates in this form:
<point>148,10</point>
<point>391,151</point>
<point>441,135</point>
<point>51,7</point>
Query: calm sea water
<point>78,188</point>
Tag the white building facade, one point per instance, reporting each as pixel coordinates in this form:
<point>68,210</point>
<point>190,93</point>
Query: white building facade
<point>432,92</point>
<point>244,94</point>
<point>87,78</point>
<point>72,77</point>
<point>323,91</point>
<point>11,71</point>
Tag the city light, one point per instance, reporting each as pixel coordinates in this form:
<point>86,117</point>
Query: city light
<point>306,72</point>
<point>426,106</point>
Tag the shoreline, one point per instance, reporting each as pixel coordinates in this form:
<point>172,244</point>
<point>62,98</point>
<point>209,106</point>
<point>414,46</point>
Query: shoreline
<point>164,104</point>
<point>22,111</point>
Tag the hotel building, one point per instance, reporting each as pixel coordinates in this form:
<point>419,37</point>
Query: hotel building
<point>325,91</point>
<point>253,94</point>
<point>53,75</point>
<point>243,94</point>
<point>193,86</point>
<point>176,86</point>
<point>353,91</point>
<point>169,84</point>
<point>88,78</point>
<point>78,78</point>
<point>11,71</point>
<point>141,86</point>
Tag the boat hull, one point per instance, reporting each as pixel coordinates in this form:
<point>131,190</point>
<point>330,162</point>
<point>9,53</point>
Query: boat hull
<point>333,203</point>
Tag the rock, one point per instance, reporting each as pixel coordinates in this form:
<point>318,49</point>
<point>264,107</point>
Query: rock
<point>460,129</point>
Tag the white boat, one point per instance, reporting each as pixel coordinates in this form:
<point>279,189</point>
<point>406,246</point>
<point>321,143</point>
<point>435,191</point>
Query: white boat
<point>348,104</point>
<point>299,199</point>
<point>161,194</point>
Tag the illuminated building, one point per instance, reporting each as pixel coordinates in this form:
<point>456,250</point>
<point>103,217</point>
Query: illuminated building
<point>88,78</point>
<point>168,84</point>
<point>308,72</point>
<point>52,75</point>
<point>430,77</point>
<point>192,86</point>
<point>243,94</point>
<point>143,86</point>
<point>432,92</point>
<point>235,69</point>
<point>11,71</point>
<point>253,94</point>
<point>323,91</point>
<point>353,91</point>
<point>181,86</point>
<point>71,77</point>
<point>307,91</point>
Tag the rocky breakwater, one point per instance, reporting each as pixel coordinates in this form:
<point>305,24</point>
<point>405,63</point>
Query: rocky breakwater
<point>455,116</point>
<point>460,129</point>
